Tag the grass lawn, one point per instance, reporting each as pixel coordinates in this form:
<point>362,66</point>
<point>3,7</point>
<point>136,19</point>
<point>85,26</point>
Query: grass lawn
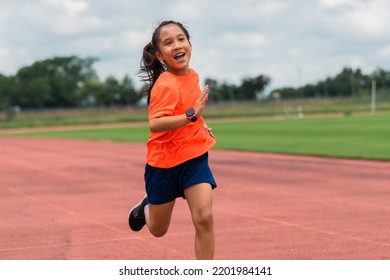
<point>354,137</point>
<point>365,136</point>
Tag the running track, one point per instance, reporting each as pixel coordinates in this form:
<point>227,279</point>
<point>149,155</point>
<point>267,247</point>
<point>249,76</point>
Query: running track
<point>69,199</point>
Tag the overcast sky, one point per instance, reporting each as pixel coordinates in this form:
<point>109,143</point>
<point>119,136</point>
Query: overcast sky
<point>293,42</point>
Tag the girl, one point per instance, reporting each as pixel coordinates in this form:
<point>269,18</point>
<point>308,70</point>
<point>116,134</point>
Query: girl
<point>177,156</point>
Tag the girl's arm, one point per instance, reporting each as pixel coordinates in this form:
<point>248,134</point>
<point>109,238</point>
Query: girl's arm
<point>174,122</point>
<point>168,123</point>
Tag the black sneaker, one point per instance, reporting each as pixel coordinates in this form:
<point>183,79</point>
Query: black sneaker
<point>137,215</point>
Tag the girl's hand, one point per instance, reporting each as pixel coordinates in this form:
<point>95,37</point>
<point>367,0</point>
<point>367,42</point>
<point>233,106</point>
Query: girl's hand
<point>201,103</point>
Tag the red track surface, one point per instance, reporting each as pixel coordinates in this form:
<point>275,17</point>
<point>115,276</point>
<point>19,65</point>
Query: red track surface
<point>69,199</point>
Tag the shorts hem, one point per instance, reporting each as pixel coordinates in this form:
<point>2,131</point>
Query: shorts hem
<point>213,184</point>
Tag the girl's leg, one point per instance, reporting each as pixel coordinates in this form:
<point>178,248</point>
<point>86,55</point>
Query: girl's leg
<point>158,217</point>
<point>199,199</point>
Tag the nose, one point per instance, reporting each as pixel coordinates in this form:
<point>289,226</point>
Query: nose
<point>176,45</point>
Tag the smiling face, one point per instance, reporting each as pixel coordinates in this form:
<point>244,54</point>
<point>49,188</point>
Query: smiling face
<point>174,49</point>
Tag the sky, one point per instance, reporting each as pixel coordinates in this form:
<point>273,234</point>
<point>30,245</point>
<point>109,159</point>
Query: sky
<point>293,42</point>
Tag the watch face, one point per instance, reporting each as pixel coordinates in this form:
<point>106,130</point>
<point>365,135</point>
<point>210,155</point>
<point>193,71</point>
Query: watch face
<point>190,112</point>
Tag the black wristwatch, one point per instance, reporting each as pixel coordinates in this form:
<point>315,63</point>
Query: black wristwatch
<point>191,115</point>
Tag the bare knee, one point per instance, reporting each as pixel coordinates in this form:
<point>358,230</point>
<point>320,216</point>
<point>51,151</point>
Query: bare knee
<point>158,231</point>
<point>158,218</point>
<point>203,220</point>
<point>157,228</point>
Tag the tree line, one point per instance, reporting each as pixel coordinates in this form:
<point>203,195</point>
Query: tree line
<point>348,83</point>
<point>71,81</point>
<point>63,82</point>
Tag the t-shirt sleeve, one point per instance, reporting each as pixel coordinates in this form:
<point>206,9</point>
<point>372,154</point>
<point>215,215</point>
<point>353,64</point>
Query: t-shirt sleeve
<point>163,102</point>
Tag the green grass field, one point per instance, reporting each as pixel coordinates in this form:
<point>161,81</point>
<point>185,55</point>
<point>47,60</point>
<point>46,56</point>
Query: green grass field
<point>365,136</point>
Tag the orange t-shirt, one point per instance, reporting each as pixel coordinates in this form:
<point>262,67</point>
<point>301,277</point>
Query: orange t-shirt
<point>173,95</point>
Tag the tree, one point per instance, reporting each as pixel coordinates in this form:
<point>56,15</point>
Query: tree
<point>129,94</point>
<point>35,93</point>
<point>91,93</point>
<point>64,76</point>
<point>113,90</point>
<point>214,91</point>
<point>285,92</point>
<point>252,88</point>
<point>9,93</point>
<point>348,82</point>
<point>110,93</point>
<point>382,78</point>
<point>228,91</point>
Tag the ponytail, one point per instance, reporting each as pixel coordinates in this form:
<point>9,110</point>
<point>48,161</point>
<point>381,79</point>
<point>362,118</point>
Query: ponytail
<point>150,68</point>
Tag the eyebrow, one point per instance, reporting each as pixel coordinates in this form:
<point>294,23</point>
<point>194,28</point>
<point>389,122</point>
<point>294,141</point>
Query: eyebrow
<point>166,39</point>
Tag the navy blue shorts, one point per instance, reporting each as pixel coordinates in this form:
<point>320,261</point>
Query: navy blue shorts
<point>166,184</point>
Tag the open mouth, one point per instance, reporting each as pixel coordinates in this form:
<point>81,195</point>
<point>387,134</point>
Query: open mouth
<point>179,56</point>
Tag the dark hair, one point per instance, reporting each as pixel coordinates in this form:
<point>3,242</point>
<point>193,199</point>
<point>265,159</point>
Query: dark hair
<point>150,67</point>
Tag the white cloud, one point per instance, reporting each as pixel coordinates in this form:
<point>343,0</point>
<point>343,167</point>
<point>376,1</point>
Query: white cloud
<point>70,7</point>
<point>293,42</point>
<point>384,53</point>
<point>187,10</point>
<point>64,26</point>
<point>4,54</point>
<point>371,19</point>
<point>336,3</point>
<point>243,40</point>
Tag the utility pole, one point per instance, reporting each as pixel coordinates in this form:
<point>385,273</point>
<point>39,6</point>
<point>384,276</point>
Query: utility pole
<point>373,96</point>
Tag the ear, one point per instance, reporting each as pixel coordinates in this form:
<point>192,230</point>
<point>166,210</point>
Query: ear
<point>159,55</point>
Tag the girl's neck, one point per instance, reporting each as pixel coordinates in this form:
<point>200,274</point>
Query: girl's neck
<point>179,72</point>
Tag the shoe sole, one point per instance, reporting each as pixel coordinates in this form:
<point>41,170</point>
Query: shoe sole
<point>132,218</point>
